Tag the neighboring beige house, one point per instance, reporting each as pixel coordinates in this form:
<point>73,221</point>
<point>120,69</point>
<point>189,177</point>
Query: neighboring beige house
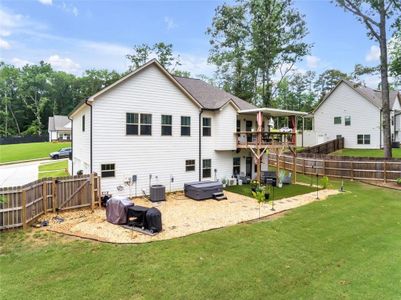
<point>59,128</point>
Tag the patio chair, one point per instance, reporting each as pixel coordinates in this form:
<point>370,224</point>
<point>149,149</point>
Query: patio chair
<point>245,179</point>
<point>287,178</point>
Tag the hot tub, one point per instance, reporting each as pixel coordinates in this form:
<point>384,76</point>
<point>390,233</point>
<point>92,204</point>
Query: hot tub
<point>202,190</point>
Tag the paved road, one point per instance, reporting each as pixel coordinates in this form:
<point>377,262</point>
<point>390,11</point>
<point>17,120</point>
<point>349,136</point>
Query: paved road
<point>19,174</point>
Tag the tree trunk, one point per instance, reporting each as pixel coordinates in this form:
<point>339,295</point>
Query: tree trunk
<point>385,86</point>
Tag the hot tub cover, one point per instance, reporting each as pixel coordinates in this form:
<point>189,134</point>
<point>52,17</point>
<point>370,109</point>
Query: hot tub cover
<point>116,209</point>
<point>202,190</point>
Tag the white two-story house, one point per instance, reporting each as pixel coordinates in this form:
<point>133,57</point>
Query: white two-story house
<point>161,128</point>
<point>354,112</point>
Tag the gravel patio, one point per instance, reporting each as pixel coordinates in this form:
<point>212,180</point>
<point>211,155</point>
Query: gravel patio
<point>181,216</point>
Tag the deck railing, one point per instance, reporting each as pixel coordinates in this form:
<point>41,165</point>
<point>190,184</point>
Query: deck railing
<point>249,138</point>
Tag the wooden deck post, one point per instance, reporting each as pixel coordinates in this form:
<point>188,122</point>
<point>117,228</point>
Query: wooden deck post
<point>23,211</point>
<point>92,190</point>
<point>44,196</point>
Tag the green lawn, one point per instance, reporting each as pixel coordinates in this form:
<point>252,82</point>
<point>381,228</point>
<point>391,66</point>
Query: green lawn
<point>366,152</point>
<point>346,247</point>
<point>56,169</point>
<point>17,152</point>
<point>285,192</point>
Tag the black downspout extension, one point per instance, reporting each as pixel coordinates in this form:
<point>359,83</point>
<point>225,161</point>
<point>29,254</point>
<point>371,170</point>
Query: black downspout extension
<point>72,145</point>
<point>90,105</point>
<point>200,144</point>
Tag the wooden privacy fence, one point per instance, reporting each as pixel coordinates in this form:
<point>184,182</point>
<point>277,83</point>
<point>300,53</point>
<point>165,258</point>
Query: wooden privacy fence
<point>359,168</point>
<point>22,205</point>
<point>326,148</point>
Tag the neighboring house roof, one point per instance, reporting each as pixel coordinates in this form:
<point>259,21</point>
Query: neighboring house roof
<point>372,95</point>
<point>58,122</point>
<point>209,96</point>
<point>201,93</point>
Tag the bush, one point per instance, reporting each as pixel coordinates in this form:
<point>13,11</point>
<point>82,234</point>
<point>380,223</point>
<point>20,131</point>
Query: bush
<point>325,182</point>
<point>398,181</point>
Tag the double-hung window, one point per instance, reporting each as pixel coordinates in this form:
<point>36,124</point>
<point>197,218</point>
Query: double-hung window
<point>363,139</point>
<point>337,120</point>
<point>146,124</point>
<point>167,122</point>
<point>132,124</point>
<point>206,168</point>
<point>189,165</point>
<point>108,170</point>
<point>185,126</point>
<point>347,121</point>
<point>207,126</point>
<point>138,124</point>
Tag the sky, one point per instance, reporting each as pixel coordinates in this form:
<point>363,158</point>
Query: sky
<point>90,34</point>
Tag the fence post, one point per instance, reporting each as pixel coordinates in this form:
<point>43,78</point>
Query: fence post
<point>303,165</point>
<point>385,171</point>
<point>23,212</point>
<point>92,188</point>
<point>324,167</point>
<point>294,168</point>
<point>352,170</point>
<point>44,195</point>
<point>54,194</point>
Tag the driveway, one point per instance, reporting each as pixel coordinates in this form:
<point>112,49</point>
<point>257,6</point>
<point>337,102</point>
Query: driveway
<point>19,174</point>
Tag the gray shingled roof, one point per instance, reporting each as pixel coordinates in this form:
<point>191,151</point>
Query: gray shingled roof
<point>374,96</point>
<point>208,96</point>
<point>58,122</point>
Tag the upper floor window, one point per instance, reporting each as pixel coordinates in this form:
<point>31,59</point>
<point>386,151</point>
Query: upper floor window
<point>167,122</point>
<point>207,126</point>
<point>363,139</point>
<point>132,125</point>
<point>337,120</point>
<point>186,126</point>
<point>238,125</point>
<point>190,165</point>
<point>347,121</point>
<point>146,124</point>
<point>83,123</point>
<point>206,168</point>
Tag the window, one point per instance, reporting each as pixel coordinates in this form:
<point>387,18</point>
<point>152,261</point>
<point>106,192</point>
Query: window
<point>167,122</point>
<point>186,126</point>
<point>337,120</point>
<point>236,165</point>
<point>190,165</point>
<point>132,124</point>
<point>347,121</point>
<point>146,124</point>
<point>238,125</point>
<point>207,126</point>
<point>363,139</point>
<point>83,123</point>
<point>108,170</point>
<point>206,168</point>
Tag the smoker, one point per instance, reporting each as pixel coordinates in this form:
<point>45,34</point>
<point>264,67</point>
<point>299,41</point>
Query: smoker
<point>149,219</point>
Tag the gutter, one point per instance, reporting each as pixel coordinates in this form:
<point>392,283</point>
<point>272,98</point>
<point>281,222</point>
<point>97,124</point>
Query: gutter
<point>72,146</point>
<point>91,148</point>
<point>200,144</point>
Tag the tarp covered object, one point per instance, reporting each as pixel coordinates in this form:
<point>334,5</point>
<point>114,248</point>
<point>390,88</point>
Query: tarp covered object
<point>116,209</point>
<point>153,220</point>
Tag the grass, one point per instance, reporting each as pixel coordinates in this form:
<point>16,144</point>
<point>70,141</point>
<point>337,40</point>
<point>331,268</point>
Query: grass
<point>285,192</point>
<point>56,169</point>
<point>19,152</point>
<point>366,152</point>
<point>346,247</point>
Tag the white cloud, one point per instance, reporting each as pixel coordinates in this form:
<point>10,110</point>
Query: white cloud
<point>46,2</point>
<point>4,32</point>
<point>18,62</point>
<point>63,64</point>
<point>69,9</point>
<point>373,55</point>
<point>312,61</point>
<point>196,65</point>
<point>4,44</point>
<point>170,23</point>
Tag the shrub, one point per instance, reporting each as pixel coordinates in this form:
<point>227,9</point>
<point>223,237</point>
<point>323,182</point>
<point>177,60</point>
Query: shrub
<point>398,181</point>
<point>325,182</point>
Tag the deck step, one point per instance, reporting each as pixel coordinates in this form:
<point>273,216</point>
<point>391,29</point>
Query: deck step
<point>219,198</point>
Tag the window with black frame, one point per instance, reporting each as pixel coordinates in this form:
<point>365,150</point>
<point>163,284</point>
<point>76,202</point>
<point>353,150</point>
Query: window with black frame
<point>185,126</point>
<point>236,165</point>
<point>206,126</point>
<point>146,124</point>
<point>167,124</point>
<point>189,165</point>
<point>132,124</point>
<point>206,168</point>
<point>108,170</point>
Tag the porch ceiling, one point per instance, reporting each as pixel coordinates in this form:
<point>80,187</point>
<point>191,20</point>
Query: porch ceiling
<point>274,112</point>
